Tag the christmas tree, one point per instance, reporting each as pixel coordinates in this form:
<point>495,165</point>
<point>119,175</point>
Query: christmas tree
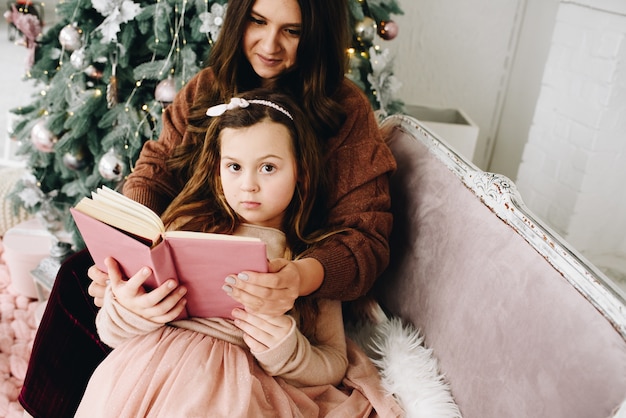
<point>108,68</point>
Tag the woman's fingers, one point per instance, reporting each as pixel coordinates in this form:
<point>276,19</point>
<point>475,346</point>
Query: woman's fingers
<point>271,293</point>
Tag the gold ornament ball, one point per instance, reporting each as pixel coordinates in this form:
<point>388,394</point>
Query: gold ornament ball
<point>365,29</point>
<point>93,72</point>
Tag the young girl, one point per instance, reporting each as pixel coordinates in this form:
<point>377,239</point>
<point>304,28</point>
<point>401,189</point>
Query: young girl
<point>258,173</point>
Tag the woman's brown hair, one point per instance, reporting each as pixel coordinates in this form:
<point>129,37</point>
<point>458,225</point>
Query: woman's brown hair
<point>320,63</point>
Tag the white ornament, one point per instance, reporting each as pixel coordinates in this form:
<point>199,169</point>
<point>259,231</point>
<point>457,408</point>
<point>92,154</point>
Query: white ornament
<point>77,59</point>
<point>70,38</point>
<point>115,12</point>
<point>212,21</point>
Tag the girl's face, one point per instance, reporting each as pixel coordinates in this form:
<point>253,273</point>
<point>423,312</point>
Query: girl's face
<point>258,172</point>
<point>271,39</point>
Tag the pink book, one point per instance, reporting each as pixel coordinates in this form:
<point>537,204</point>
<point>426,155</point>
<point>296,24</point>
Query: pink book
<point>200,261</point>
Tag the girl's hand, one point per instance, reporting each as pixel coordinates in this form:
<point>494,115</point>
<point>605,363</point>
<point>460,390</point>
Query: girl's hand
<point>160,305</point>
<point>262,332</point>
<point>275,292</point>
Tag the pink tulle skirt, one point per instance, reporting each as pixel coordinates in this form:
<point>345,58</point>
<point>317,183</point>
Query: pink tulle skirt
<point>175,372</point>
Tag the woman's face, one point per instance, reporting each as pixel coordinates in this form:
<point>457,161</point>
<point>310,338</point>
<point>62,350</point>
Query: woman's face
<point>271,39</point>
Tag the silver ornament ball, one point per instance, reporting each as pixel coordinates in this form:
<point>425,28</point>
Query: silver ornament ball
<point>75,161</point>
<point>111,166</point>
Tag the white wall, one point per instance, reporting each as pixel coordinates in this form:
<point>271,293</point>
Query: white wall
<point>483,56</point>
<point>574,168</point>
<point>524,84</point>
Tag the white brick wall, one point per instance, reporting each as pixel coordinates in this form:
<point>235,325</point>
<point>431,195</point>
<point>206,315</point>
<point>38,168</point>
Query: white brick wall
<point>573,170</point>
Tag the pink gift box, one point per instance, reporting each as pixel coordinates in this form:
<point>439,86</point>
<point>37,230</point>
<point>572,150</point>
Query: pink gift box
<point>25,245</point>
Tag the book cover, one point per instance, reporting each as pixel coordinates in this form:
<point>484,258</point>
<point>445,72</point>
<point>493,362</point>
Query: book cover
<point>197,260</point>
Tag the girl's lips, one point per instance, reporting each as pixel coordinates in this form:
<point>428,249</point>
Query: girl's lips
<point>250,205</point>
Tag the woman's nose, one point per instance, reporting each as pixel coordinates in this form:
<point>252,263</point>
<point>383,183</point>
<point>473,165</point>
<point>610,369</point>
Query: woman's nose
<point>270,42</point>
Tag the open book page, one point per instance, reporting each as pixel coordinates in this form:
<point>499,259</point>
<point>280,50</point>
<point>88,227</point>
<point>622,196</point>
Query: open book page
<point>123,213</point>
<point>110,196</point>
<point>209,235</point>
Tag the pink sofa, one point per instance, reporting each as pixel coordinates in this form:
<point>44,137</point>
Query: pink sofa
<point>521,325</point>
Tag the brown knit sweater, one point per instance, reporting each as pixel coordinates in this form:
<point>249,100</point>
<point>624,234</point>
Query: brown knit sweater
<point>359,165</point>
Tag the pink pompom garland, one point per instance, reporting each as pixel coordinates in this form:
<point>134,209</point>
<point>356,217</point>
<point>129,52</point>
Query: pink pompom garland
<point>17,332</point>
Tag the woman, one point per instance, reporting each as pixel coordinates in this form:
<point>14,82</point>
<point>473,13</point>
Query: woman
<point>276,43</point>
<point>294,46</point>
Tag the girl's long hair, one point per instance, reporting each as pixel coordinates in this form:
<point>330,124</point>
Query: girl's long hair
<point>202,206</point>
<point>321,61</point>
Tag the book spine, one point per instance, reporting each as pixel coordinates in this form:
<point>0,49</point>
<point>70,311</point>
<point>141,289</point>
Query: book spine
<point>163,269</point>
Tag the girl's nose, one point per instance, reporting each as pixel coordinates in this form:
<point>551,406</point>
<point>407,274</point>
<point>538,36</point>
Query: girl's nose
<point>249,183</point>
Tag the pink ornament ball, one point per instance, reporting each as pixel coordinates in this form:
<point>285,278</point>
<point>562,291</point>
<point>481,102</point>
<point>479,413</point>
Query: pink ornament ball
<point>42,138</point>
<point>165,91</point>
<point>388,30</point>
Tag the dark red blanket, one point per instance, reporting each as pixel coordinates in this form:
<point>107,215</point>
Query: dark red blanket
<point>66,349</point>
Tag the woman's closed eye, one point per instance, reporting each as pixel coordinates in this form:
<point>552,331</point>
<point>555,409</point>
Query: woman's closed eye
<point>256,20</point>
<point>294,32</point>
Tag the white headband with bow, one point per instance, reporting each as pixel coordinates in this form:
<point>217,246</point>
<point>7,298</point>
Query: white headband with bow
<point>238,102</point>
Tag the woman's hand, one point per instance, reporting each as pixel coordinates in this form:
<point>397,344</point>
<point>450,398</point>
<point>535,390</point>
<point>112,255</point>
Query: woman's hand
<point>98,285</point>
<point>262,332</point>
<point>274,293</point>
<point>160,305</point>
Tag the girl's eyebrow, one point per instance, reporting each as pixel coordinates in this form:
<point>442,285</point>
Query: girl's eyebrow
<point>263,157</point>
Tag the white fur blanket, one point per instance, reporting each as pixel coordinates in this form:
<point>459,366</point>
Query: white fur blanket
<point>408,369</point>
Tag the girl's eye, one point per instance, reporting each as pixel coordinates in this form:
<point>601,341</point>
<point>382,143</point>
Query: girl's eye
<point>234,167</point>
<point>294,32</point>
<point>268,168</point>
